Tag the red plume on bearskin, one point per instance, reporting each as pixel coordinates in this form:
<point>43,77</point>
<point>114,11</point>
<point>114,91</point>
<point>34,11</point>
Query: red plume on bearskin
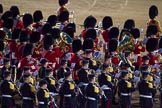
<point>151,44</point>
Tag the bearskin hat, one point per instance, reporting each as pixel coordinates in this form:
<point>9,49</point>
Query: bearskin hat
<point>37,16</point>
<point>24,36</point>
<point>46,28</point>
<point>107,22</point>
<point>1,45</point>
<point>8,23</point>
<point>63,16</point>
<point>16,33</point>
<point>76,45</point>
<point>28,50</point>
<point>113,44</point>
<point>69,30</point>
<point>27,19</point>
<point>52,20</point>
<point>91,33</point>
<point>2,35</point>
<point>135,33</point>
<point>62,2</point>
<point>73,26</point>
<point>1,8</point>
<point>113,33</point>
<point>87,44</point>
<point>129,24</point>
<point>151,44</point>
<point>160,42</point>
<point>55,33</point>
<point>7,14</point>
<point>90,22</point>
<point>35,37</point>
<point>151,30</point>
<point>153,12</point>
<point>48,41</point>
<point>15,11</point>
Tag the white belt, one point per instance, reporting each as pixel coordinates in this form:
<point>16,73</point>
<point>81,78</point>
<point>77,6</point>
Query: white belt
<point>85,84</point>
<point>125,94</point>
<point>7,96</point>
<point>27,98</point>
<point>145,96</point>
<point>53,94</point>
<point>42,103</point>
<point>91,98</point>
<point>105,87</point>
<point>67,95</point>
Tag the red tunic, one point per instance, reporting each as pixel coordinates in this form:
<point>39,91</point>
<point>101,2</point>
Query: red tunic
<point>76,61</point>
<point>138,49</point>
<point>19,50</point>
<point>153,59</point>
<point>105,35</point>
<point>52,60</point>
<point>25,62</point>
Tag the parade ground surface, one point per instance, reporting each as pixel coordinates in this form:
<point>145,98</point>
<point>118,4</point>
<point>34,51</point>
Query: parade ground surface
<point>119,10</point>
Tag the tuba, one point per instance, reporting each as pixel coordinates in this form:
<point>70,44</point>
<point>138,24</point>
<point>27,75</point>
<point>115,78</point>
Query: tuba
<point>65,41</point>
<point>127,42</point>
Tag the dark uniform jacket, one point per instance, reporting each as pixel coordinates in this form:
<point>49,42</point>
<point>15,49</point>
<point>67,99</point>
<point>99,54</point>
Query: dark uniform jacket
<point>7,90</point>
<point>67,92</point>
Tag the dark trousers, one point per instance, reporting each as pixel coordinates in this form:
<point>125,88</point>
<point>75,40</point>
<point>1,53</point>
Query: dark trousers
<point>43,106</point>
<point>7,102</point>
<point>69,102</point>
<point>146,102</point>
<point>81,101</point>
<point>27,104</point>
<point>106,103</point>
<point>125,101</point>
<point>91,104</point>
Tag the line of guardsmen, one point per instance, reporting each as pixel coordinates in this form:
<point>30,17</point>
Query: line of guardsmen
<point>45,66</point>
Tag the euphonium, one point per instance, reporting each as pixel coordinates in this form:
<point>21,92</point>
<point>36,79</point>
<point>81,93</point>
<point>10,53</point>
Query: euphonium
<point>64,41</point>
<point>127,42</point>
